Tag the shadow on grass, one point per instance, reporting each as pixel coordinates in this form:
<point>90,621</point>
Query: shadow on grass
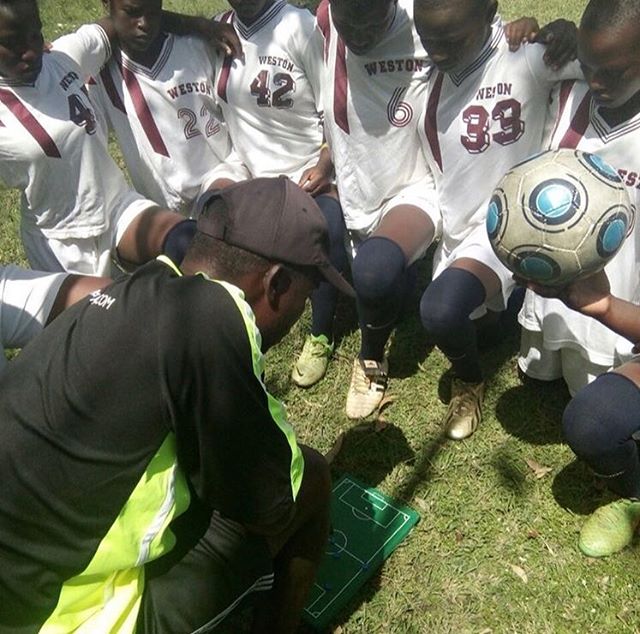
<point>575,488</point>
<point>533,412</point>
<point>372,455</point>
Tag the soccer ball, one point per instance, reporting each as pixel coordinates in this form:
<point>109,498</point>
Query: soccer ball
<point>559,215</point>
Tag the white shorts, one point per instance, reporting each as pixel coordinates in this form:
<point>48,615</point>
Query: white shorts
<point>416,195</point>
<point>86,256</point>
<point>543,364</point>
<point>26,298</point>
<point>477,247</point>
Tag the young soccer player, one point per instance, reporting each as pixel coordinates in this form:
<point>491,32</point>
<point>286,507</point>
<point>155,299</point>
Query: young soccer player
<point>156,93</point>
<point>601,423</point>
<point>486,110</point>
<point>76,205</point>
<point>373,88</point>
<point>602,116</point>
<point>270,99</point>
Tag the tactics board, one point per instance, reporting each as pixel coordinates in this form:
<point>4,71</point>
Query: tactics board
<point>367,528</point>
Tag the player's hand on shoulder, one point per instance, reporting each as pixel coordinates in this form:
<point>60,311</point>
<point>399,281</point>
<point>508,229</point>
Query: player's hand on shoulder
<point>222,37</point>
<point>521,30</point>
<point>561,39</point>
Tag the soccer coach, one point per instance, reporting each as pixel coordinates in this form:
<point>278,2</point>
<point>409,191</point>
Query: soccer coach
<point>150,483</point>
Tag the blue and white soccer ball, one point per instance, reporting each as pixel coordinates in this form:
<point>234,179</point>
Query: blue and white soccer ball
<point>559,215</point>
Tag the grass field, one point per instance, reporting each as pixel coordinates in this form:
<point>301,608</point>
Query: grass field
<point>496,548</point>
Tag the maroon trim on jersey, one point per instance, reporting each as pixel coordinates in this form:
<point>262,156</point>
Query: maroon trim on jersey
<point>144,113</point>
<point>431,120</point>
<point>578,125</point>
<point>323,21</point>
<point>565,90</point>
<point>30,123</point>
<point>341,88</point>
<point>110,89</point>
<point>223,80</point>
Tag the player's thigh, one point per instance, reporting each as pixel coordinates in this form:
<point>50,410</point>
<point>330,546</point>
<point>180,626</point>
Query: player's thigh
<point>227,568</point>
<point>631,370</point>
<point>410,227</point>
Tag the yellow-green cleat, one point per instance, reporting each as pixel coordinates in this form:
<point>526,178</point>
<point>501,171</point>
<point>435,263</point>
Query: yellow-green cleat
<point>610,528</point>
<point>313,361</point>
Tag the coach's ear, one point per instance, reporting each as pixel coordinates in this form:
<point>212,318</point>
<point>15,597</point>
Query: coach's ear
<point>276,281</point>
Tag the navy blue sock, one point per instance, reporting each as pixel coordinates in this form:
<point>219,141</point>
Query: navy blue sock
<point>178,239</point>
<point>325,297</point>
<point>380,280</point>
<point>444,309</point>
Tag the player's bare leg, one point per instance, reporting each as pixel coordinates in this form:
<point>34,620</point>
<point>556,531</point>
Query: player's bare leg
<point>382,280</point>
<point>298,550</point>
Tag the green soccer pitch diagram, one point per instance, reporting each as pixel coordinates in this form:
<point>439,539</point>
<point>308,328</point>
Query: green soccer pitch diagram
<point>367,526</point>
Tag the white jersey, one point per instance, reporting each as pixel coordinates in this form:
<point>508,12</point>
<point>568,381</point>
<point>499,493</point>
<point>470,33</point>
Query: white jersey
<point>269,98</point>
<point>581,126</point>
<point>26,299</point>
<point>371,105</point>
<point>164,117</point>
<point>480,121</point>
<point>51,147</point>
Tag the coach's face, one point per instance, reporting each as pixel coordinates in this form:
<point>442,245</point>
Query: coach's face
<point>137,22</point>
<point>21,42</point>
<point>249,10</point>
<point>453,34</point>
<point>610,60</point>
<point>362,30</point>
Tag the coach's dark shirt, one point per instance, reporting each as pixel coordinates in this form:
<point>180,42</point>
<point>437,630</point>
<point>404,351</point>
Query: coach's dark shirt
<point>88,404</point>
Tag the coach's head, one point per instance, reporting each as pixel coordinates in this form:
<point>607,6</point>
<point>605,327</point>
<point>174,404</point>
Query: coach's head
<point>269,238</point>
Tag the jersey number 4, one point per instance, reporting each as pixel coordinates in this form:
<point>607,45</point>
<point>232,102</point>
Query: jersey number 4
<point>280,98</point>
<point>478,122</point>
<point>81,114</point>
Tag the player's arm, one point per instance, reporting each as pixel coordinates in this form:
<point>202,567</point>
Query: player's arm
<point>73,289</point>
<point>560,38</point>
<point>592,297</point>
<point>220,36</point>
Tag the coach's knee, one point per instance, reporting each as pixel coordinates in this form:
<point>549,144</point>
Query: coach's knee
<point>378,269</point>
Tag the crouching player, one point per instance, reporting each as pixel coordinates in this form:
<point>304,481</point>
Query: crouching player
<point>487,109</point>
<point>77,208</point>
<point>600,115</point>
<point>602,422</point>
<point>156,94</point>
<point>374,87</point>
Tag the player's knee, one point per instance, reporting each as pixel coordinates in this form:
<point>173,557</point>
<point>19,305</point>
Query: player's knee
<point>593,422</point>
<point>377,269</point>
<point>448,301</point>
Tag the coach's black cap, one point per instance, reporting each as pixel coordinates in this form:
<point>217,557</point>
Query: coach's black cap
<point>273,218</point>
